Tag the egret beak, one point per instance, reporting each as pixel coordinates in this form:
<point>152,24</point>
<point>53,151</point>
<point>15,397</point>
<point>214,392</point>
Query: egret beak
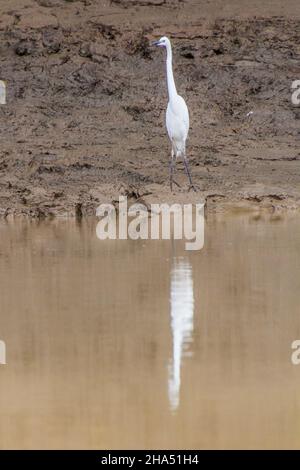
<point>155,43</point>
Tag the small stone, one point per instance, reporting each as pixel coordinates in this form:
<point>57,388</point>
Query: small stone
<point>24,48</point>
<point>85,50</point>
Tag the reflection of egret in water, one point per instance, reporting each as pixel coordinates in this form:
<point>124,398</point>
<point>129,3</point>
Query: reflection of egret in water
<point>182,313</point>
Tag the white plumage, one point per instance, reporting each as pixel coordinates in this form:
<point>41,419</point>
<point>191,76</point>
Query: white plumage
<point>177,122</point>
<point>177,116</point>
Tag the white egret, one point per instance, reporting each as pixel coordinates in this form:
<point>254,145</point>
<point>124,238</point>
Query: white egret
<point>177,117</point>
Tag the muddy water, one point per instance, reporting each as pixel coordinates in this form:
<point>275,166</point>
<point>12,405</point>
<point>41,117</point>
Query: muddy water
<point>140,344</point>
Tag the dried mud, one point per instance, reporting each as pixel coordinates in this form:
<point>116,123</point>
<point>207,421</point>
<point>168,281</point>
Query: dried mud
<point>86,97</point>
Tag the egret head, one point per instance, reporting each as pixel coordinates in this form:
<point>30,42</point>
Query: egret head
<point>162,42</point>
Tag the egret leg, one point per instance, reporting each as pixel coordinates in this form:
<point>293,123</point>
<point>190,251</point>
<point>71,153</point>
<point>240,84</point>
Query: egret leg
<point>172,167</point>
<point>187,170</point>
<point>171,170</point>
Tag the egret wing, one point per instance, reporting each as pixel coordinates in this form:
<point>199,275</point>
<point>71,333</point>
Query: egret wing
<point>177,120</point>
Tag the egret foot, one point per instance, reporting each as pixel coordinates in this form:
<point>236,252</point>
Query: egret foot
<point>193,188</point>
<point>175,182</point>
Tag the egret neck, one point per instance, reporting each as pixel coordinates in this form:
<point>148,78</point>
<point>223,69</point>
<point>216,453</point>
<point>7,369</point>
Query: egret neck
<point>170,78</point>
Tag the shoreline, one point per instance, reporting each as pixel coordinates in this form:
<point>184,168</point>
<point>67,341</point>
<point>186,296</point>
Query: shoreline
<point>213,205</point>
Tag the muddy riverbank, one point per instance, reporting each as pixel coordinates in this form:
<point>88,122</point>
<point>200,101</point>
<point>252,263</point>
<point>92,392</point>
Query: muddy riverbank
<point>86,95</point>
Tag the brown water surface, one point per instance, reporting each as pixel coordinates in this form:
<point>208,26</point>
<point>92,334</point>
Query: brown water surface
<point>141,344</point>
